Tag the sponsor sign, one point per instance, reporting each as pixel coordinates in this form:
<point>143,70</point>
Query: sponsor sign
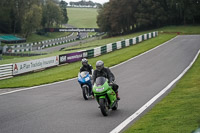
<point>72,30</point>
<point>76,30</point>
<point>28,66</point>
<point>72,57</point>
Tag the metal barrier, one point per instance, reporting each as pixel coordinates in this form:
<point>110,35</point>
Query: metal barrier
<point>6,71</point>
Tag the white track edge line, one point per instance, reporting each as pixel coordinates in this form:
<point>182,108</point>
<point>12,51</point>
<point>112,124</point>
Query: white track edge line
<point>150,102</point>
<point>30,88</point>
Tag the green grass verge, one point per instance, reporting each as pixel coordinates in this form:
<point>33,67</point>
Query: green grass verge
<point>179,112</point>
<point>82,17</point>
<point>182,29</point>
<point>71,70</point>
<point>38,38</point>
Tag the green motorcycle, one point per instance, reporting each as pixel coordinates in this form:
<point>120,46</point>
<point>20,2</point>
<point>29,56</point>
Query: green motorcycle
<point>105,95</point>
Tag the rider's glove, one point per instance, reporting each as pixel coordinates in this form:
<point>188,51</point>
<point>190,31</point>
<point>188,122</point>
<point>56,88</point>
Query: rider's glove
<point>111,83</point>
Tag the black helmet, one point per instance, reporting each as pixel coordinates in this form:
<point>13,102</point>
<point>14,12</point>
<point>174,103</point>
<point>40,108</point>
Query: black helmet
<point>99,65</point>
<point>84,61</point>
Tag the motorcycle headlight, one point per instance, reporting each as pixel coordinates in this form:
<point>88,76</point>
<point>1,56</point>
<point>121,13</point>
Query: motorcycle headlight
<point>99,89</point>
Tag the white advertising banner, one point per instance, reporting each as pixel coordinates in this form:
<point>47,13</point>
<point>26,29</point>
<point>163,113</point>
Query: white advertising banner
<point>28,66</point>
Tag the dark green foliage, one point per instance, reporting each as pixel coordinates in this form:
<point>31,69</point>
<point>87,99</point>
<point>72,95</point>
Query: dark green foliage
<point>124,16</point>
<point>52,14</point>
<point>63,6</point>
<point>23,16</point>
<point>85,3</point>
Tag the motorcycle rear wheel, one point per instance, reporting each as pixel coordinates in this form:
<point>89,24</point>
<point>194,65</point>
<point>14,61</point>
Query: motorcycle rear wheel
<point>104,106</point>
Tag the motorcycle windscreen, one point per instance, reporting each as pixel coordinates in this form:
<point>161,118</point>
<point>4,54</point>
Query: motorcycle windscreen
<point>100,81</point>
<point>84,74</point>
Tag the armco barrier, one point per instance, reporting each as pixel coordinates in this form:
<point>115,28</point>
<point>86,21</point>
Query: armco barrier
<point>18,68</point>
<point>6,71</point>
<point>118,45</point>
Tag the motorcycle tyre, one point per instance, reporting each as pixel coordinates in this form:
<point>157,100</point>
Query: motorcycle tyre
<point>103,106</point>
<point>85,93</point>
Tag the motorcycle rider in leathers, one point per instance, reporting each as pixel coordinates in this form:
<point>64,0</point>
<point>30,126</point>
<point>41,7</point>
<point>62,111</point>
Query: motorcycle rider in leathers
<point>101,71</point>
<point>85,66</point>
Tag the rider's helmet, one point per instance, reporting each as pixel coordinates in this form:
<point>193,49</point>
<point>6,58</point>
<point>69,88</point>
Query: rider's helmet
<point>84,62</point>
<point>99,65</point>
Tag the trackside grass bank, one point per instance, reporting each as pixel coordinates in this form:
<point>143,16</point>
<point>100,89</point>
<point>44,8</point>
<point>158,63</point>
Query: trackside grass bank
<point>179,112</point>
<point>38,38</point>
<point>71,70</point>
<point>187,30</point>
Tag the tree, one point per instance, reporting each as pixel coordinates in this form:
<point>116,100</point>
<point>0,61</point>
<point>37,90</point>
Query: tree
<point>5,20</point>
<point>63,6</point>
<point>149,14</point>
<point>103,18</point>
<point>52,14</point>
<point>12,13</point>
<point>124,16</point>
<point>32,20</point>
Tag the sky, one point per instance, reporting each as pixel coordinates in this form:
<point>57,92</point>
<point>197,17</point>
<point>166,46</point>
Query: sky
<point>98,1</point>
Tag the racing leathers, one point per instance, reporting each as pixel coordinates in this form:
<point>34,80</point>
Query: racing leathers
<point>87,68</point>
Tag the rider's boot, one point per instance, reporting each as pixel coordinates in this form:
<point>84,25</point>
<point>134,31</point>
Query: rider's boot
<point>92,96</point>
<point>118,98</point>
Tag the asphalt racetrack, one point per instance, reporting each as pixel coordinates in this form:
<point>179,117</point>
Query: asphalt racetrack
<point>60,107</point>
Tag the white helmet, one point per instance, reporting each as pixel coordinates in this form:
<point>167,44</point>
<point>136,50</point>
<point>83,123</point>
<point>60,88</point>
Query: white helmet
<point>84,61</point>
<point>99,65</point>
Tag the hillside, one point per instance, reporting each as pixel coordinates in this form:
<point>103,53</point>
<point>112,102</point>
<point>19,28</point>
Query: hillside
<point>82,17</point>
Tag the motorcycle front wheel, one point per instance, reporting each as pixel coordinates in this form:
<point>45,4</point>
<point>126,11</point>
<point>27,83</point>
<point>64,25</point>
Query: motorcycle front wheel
<point>104,106</point>
<point>85,92</point>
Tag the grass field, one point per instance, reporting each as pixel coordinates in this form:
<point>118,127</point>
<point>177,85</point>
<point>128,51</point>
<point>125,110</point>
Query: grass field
<point>82,17</point>
<point>179,112</point>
